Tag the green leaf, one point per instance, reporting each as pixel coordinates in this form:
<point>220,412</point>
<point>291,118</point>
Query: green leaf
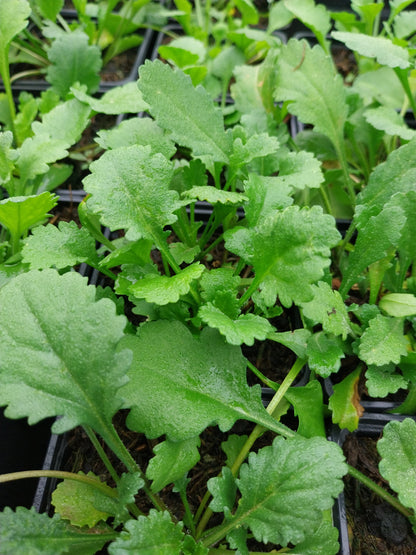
<point>13,19</point>
<point>397,448</point>
<point>36,153</point>
<point>314,16</point>
<point>256,146</point>
<point>123,99</point>
<point>49,8</point>
<point>383,380</point>
<point>76,502</point>
<point>232,447</point>
<point>73,60</point>
<point>214,196</point>
<point>223,489</point>
<point>63,360</point>
<point>323,540</point>
<point>265,195</point>
<point>286,486</point>
<point>345,402</point>
<point>163,289</point>
<point>220,287</point>
<point>388,120</point>
<point>27,532</point>
<point>59,247</point>
<point>380,48</point>
<point>188,113</point>
<point>205,387</point>
<point>130,189</point>
<point>328,308</point>
<point>308,79</point>
<point>184,51</point>
<point>296,340</point>
<point>137,131</point>
<point>172,460</point>
<point>155,534</point>
<point>374,242</point>
<point>6,165</point>
<point>243,329</point>
<point>19,214</point>
<point>325,353</point>
<point>300,170</point>
<point>289,251</point>
<point>383,341</point>
<point>308,405</point>
<point>398,304</point>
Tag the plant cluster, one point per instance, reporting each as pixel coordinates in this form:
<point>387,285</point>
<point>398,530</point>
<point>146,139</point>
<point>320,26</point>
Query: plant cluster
<point>204,291</point>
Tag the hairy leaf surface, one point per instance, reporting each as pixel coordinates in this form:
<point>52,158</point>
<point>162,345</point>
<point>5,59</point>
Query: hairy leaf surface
<point>19,214</point>
<point>383,341</point>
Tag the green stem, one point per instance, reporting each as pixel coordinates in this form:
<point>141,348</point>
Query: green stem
<point>340,149</point>
<point>262,377</point>
<point>393,501</point>
<point>98,447</point>
<point>60,475</point>
<point>5,74</point>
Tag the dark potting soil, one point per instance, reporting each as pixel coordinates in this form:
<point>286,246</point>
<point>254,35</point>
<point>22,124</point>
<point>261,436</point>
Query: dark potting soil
<point>374,526</point>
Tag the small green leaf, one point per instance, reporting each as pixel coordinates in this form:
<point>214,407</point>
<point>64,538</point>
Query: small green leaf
<point>172,460</point>
<point>308,405</point>
<point>19,214</point>
<point>220,287</point>
<point>26,531</point>
<point>123,99</point>
<point>49,8</point>
<point>76,502</point>
<point>314,16</point>
<point>256,146</point>
<point>214,196</point>
<point>59,247</point>
<point>155,534</point>
<point>388,120</point>
<point>286,486</point>
<point>205,387</point>
<point>184,51</point>
<point>6,165</point>
<point>399,305</point>
<point>383,380</point>
<point>223,490</point>
<point>188,113</point>
<point>324,353</point>
<point>266,195</point>
<point>73,60</point>
<point>36,153</point>
<point>397,448</point>
<point>13,19</point>
<point>163,289</point>
<point>380,48</point>
<point>232,447</point>
<point>328,308</point>
<point>383,341</point>
<point>345,402</point>
<point>296,340</point>
<point>323,540</point>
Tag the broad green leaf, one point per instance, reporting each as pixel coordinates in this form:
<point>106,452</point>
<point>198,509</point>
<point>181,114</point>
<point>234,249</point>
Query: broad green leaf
<point>73,60</point>
<point>249,12</point>
<point>398,304</point>
<point>137,131</point>
<point>307,78</point>
<point>182,253</point>
<point>27,532</point>
<point>184,51</point>
<point>59,247</point>
<point>289,251</point>
<point>163,289</point>
<point>76,502</point>
<point>123,99</point>
<point>308,405</point>
<point>328,308</point>
<point>324,540</point>
<point>214,195</point>
<point>396,175</point>
<point>266,195</point>
<point>279,17</point>
<point>49,8</point>
<point>374,242</point>
<point>13,19</point>
<point>383,380</point>
<point>286,486</point>
<point>380,48</point>
<point>257,146</point>
<point>36,153</point>
<point>220,288</point>
<point>244,329</point>
<point>155,534</point>
<point>315,16</point>
<point>345,402</point>
<point>324,353</point>
<point>63,360</point>
<point>388,120</point>
<point>381,85</point>
<point>397,448</point>
<point>300,170</point>
<point>383,341</point>
<point>187,113</point>
<point>172,460</point>
<point>19,214</point>
<point>130,189</point>
<point>404,24</point>
<point>199,381</point>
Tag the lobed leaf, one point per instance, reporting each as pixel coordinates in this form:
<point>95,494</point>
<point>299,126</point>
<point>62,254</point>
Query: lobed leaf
<point>19,214</point>
<point>60,362</point>
<point>265,195</point>
<point>325,353</point>
<point>123,99</point>
<point>187,113</point>
<point>314,16</point>
<point>26,531</point>
<point>206,387</point>
<point>383,341</point>
<point>214,196</point>
<point>383,380</point>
